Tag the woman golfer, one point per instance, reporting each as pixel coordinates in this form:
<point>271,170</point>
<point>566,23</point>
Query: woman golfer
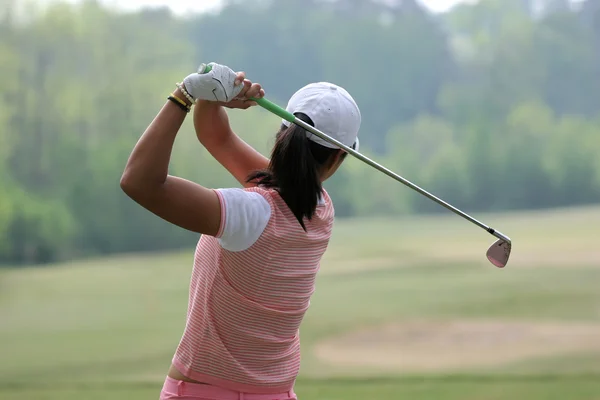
<point>260,247</point>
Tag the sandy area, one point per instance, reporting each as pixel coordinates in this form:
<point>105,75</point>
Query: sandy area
<point>422,346</point>
<point>554,258</point>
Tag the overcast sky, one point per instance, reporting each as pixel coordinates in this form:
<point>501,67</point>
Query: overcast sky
<point>180,6</point>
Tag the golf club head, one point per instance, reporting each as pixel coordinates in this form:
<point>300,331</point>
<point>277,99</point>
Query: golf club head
<point>499,252</point>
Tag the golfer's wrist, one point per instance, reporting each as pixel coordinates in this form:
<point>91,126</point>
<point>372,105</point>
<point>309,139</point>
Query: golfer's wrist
<point>206,104</point>
<point>180,95</point>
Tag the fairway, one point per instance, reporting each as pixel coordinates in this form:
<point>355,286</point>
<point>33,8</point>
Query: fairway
<point>404,309</point>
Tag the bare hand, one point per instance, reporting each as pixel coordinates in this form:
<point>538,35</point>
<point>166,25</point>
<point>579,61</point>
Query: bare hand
<point>250,90</point>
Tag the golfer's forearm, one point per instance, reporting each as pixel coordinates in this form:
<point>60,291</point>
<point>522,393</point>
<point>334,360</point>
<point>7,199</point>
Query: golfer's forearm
<point>211,124</point>
<point>148,164</point>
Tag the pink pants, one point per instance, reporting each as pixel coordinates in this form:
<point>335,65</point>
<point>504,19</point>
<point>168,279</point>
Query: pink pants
<point>179,390</point>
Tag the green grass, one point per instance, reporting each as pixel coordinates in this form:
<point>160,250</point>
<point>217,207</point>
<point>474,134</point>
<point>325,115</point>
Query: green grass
<point>107,328</point>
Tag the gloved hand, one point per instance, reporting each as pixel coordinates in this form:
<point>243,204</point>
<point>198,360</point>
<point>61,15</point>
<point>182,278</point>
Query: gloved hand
<point>216,85</point>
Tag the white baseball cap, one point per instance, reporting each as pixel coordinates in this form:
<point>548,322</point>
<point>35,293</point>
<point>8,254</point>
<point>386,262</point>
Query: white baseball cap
<point>332,110</point>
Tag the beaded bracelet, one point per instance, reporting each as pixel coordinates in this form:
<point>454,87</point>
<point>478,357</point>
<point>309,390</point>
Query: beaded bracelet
<point>185,92</point>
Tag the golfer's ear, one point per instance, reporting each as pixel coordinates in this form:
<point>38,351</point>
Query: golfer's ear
<point>335,160</point>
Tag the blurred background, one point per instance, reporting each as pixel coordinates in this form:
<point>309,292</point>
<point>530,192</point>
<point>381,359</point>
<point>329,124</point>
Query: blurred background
<point>492,105</point>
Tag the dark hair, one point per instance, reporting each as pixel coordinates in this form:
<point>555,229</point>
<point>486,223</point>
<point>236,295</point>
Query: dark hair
<point>294,169</point>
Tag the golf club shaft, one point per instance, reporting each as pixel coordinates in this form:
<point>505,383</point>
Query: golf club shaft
<point>266,104</point>
<point>275,109</point>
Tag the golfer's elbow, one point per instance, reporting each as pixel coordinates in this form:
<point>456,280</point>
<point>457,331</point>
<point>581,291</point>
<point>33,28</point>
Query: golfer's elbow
<point>141,179</point>
<point>129,183</point>
<point>134,185</point>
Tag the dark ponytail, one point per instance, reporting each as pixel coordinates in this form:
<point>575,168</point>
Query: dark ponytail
<point>294,169</point>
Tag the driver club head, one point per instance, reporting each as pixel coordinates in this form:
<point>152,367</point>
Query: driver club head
<point>499,252</point>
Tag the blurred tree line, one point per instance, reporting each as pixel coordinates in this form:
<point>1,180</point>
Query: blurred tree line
<point>492,106</point>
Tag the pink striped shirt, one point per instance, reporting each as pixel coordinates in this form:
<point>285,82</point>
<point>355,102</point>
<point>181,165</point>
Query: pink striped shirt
<point>249,296</point>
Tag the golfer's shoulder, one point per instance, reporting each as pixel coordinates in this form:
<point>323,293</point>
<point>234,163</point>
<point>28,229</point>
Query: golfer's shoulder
<point>266,193</point>
<point>244,216</point>
<point>244,201</point>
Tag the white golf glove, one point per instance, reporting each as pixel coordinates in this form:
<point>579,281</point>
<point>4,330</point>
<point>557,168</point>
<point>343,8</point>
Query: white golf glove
<point>216,85</point>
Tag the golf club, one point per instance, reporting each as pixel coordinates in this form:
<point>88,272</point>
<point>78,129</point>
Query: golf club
<point>497,254</point>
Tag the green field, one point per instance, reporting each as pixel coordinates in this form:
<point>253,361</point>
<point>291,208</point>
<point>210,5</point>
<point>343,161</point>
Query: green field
<point>107,328</point>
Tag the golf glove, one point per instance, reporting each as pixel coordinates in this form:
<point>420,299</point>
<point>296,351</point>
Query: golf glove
<point>216,85</point>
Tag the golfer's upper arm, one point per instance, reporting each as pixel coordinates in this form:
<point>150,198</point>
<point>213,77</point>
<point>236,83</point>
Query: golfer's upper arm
<point>244,217</point>
<point>182,203</point>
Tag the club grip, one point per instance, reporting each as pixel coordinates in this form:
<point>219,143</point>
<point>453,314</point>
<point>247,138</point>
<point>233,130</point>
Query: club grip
<point>264,103</point>
<point>275,109</point>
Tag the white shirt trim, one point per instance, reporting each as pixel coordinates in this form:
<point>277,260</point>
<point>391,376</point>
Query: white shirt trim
<point>246,217</point>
